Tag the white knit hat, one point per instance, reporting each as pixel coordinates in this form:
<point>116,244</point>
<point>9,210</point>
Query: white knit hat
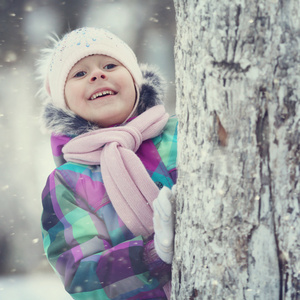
<point>81,43</point>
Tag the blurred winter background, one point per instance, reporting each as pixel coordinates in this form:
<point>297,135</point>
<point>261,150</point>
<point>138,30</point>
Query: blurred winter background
<point>148,26</point>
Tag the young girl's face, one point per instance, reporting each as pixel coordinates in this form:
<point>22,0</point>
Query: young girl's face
<point>100,89</point>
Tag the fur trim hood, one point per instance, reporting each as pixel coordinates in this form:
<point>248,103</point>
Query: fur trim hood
<point>65,122</point>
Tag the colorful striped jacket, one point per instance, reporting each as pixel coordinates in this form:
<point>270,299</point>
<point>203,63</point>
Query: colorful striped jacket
<point>85,241</point>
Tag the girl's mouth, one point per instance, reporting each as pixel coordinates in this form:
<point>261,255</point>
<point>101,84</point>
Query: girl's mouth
<point>101,94</point>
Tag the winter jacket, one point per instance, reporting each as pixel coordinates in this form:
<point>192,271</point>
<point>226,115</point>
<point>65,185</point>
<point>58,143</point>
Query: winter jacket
<point>85,241</point>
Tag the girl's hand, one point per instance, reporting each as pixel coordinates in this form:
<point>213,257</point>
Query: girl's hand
<point>163,221</point>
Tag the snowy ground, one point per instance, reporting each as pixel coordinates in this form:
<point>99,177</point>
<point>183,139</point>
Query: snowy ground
<point>38,286</point>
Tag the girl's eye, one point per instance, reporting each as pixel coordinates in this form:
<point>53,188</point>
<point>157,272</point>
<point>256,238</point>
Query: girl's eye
<point>80,74</point>
<point>109,66</point>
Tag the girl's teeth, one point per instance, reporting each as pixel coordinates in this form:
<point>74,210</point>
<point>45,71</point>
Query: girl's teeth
<point>102,94</point>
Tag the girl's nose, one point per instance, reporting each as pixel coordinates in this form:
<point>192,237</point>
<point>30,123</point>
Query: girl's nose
<point>97,74</point>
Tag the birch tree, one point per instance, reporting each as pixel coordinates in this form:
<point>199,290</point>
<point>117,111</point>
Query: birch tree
<point>238,87</point>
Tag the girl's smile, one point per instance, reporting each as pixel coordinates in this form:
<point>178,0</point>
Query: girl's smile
<point>101,93</point>
<point>101,90</point>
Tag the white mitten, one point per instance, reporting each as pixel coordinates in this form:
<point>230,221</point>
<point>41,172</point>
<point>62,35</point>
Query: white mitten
<point>163,220</point>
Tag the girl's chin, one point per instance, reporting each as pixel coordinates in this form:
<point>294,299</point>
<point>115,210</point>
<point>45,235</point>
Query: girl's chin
<point>109,122</point>
<point>110,116</point>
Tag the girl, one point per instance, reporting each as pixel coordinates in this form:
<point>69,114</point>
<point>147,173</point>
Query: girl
<point>107,218</point>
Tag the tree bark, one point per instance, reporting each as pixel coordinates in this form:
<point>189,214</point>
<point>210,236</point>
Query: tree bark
<point>238,87</point>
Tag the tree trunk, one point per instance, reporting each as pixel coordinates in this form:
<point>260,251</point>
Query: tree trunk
<point>238,87</point>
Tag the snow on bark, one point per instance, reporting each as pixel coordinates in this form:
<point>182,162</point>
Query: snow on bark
<point>238,87</point>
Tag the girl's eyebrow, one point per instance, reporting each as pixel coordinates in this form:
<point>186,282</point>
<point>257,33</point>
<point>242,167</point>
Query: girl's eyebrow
<point>108,58</point>
<point>79,66</point>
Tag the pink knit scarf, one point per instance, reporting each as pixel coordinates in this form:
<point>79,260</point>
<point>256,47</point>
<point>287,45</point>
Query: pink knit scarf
<point>126,180</point>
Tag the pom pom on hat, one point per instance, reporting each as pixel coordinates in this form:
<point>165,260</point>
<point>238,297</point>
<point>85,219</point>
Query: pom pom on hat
<point>78,44</point>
